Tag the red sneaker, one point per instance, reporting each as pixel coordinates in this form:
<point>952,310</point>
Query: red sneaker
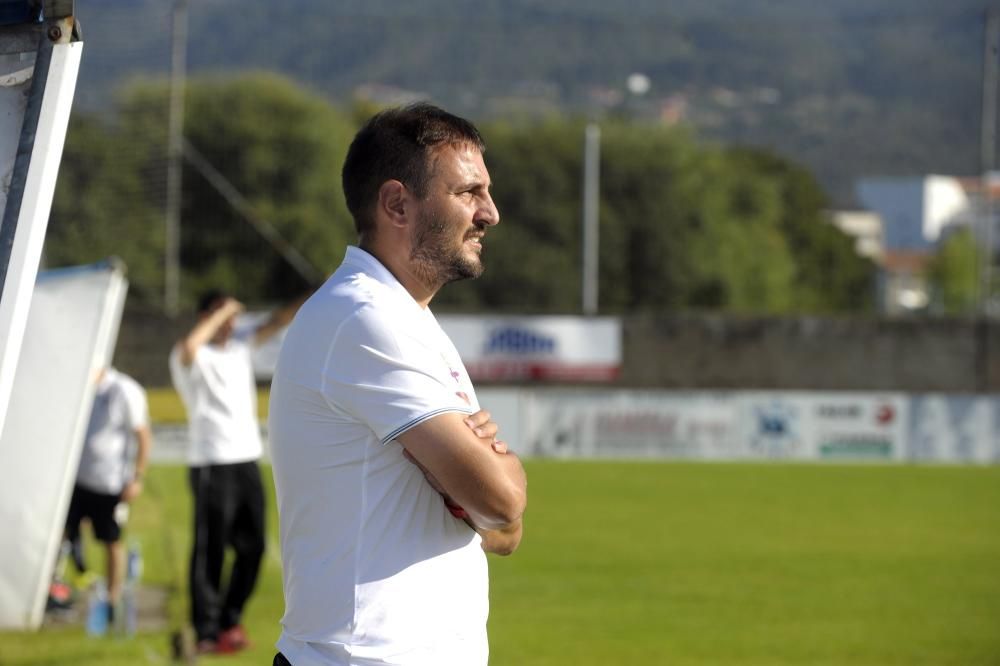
<point>233,639</point>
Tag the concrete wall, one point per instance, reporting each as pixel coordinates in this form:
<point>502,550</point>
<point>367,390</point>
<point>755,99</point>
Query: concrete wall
<point>710,351</point>
<point>704,351</point>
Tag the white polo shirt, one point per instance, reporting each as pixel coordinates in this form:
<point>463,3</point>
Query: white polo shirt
<point>220,396</point>
<point>376,570</point>
<point>107,459</point>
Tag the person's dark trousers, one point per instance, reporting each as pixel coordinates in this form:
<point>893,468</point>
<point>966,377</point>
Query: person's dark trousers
<point>279,660</point>
<point>228,512</point>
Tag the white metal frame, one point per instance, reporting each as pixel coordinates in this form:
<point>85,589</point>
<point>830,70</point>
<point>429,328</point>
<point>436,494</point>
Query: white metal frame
<point>43,116</point>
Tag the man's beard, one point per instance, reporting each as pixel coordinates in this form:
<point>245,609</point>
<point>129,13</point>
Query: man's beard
<point>436,258</point>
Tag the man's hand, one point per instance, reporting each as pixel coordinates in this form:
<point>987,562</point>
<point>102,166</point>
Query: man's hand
<point>132,490</point>
<point>482,424</point>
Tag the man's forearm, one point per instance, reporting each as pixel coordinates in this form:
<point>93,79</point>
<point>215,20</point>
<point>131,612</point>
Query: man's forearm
<point>206,329</point>
<point>508,499</point>
<point>144,439</point>
<point>279,319</point>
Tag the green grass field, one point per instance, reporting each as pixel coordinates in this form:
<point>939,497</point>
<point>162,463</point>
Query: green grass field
<point>673,563</point>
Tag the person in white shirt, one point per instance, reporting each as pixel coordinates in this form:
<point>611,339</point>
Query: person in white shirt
<point>211,368</point>
<point>390,480</point>
<point>111,470</point>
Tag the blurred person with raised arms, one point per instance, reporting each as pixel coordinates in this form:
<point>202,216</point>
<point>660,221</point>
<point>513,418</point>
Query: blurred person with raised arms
<point>212,370</point>
<point>391,484</point>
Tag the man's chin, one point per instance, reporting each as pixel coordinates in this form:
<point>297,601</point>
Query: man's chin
<point>466,270</point>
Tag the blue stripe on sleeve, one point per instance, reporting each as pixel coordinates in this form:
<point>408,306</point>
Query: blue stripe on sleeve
<point>420,419</point>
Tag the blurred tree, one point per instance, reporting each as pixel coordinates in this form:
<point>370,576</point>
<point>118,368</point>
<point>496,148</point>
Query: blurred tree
<point>102,206</point>
<point>650,182</point>
<point>683,225</point>
<point>532,260</point>
<point>282,148</point>
<point>278,145</point>
<point>954,275</point>
<point>741,258</point>
<point>829,276</point>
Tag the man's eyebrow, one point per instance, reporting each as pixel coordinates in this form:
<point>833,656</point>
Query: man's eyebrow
<point>473,184</point>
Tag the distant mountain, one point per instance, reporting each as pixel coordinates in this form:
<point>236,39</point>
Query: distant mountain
<point>847,87</point>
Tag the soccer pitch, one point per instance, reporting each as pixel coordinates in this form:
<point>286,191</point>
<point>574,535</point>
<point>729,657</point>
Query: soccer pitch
<point>675,563</point>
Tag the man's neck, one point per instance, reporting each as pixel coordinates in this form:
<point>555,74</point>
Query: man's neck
<point>398,264</point>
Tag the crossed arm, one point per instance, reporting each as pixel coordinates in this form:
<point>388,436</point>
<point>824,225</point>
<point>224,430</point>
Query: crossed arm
<point>463,461</point>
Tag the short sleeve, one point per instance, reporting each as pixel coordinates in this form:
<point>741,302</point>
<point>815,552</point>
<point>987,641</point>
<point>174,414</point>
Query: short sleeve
<point>388,376</point>
<point>179,374</point>
<point>136,405</point>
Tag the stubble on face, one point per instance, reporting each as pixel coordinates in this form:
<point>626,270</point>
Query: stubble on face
<point>438,254</point>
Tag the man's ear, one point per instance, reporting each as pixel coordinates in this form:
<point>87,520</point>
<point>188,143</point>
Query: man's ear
<point>393,202</point>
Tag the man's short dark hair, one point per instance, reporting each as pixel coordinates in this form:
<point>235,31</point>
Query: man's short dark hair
<point>395,144</point>
<point>209,299</point>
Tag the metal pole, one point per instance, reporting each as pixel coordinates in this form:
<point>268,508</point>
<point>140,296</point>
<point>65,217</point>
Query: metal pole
<point>591,202</point>
<point>988,155</point>
<point>175,152</point>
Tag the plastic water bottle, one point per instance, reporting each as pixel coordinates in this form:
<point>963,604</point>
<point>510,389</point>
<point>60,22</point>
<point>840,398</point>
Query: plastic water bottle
<point>97,609</point>
<point>133,572</point>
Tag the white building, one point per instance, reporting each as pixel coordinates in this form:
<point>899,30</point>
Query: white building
<point>916,211</point>
<point>915,214</point>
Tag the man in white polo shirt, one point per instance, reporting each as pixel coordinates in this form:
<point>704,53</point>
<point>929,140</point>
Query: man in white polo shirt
<point>390,481</point>
<point>112,466</point>
<point>211,368</point>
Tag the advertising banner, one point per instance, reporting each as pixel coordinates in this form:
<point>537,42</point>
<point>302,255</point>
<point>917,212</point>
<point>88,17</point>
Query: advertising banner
<point>629,424</point>
<point>756,425</point>
<point>811,425</point>
<point>947,428</point>
<point>549,348</point>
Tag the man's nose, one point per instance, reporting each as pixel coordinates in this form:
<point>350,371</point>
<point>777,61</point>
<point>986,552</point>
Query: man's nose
<point>490,214</point>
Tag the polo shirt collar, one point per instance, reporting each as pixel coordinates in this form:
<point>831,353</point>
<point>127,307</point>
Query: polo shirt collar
<point>366,262</point>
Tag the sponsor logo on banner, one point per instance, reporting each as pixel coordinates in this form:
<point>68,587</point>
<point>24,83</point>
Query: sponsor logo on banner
<point>778,432</point>
<point>559,433</point>
<point>671,430</point>
<point>856,428</point>
<point>544,348</point>
<point>516,340</point>
<point>645,425</point>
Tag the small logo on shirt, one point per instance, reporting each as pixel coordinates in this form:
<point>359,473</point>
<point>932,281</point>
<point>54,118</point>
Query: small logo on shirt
<point>455,374</point>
